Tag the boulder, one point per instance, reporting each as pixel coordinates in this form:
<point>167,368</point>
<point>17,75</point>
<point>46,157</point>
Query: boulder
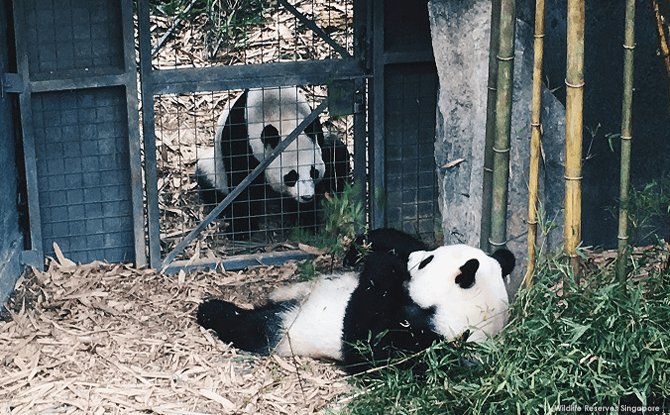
<point>460,36</point>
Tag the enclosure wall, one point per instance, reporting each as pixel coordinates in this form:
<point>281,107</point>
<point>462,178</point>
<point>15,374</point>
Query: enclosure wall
<point>11,241</point>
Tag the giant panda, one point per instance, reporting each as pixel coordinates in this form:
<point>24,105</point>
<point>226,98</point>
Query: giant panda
<point>249,131</point>
<point>336,158</point>
<point>389,307</point>
<point>387,240</point>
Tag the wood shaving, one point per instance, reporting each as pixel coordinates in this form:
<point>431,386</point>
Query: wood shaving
<point>112,339</point>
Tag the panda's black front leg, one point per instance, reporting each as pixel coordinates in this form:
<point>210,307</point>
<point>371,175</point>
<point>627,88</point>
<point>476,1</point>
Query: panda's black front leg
<point>373,321</point>
<point>308,216</point>
<point>246,210</point>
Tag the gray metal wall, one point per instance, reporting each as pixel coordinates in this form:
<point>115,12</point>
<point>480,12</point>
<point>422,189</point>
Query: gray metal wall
<point>11,241</point>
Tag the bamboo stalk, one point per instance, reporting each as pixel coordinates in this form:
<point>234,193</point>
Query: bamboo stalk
<point>535,140</point>
<point>501,145</point>
<point>487,187</point>
<point>626,137</point>
<point>574,125</point>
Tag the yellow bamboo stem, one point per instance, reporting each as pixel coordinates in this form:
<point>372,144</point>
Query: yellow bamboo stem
<point>535,140</point>
<point>574,125</point>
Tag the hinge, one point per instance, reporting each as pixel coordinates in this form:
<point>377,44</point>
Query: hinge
<point>10,83</point>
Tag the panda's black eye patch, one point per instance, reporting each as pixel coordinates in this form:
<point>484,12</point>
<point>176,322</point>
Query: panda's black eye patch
<point>291,178</point>
<point>425,262</point>
<point>270,136</point>
<point>314,173</point>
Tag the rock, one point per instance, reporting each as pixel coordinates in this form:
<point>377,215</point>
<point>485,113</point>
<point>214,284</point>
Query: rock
<point>460,35</point>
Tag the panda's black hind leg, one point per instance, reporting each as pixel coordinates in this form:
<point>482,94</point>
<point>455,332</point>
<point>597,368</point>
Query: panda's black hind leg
<point>258,330</point>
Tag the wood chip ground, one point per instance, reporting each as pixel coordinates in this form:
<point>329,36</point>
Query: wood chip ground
<point>111,339</point>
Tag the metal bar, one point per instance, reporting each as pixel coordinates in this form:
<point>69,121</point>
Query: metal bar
<point>316,29</point>
<point>149,131</point>
<point>32,188</point>
<point>391,58</point>
<point>377,151</point>
<point>80,82</point>
<point>135,161</point>
<point>246,182</point>
<point>361,49</point>
<point>218,78</point>
<point>238,262</point>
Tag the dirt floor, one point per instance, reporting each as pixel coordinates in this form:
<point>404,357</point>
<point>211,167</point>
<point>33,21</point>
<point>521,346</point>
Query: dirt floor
<point>111,339</point>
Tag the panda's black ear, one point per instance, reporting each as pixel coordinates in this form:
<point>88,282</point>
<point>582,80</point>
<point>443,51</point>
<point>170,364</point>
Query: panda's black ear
<point>506,260</point>
<point>270,137</point>
<point>466,279</point>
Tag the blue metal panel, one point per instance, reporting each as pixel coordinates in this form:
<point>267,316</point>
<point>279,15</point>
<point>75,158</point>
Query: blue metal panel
<point>11,240</point>
<point>84,35</point>
<point>410,103</point>
<point>78,98</point>
<point>81,155</point>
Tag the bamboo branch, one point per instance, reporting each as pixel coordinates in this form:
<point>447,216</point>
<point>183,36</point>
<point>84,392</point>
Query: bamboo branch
<point>501,145</point>
<point>662,19</point>
<point>574,126</point>
<point>535,139</point>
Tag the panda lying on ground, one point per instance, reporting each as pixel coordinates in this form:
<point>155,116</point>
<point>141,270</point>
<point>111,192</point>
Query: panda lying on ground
<point>247,133</point>
<point>387,240</point>
<point>389,306</point>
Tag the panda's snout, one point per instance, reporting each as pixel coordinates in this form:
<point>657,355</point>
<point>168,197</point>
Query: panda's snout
<point>306,198</point>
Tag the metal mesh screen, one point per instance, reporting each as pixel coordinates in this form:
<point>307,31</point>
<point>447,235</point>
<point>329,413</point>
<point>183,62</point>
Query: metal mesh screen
<point>81,148</point>
<point>411,185</point>
<point>81,36</point>
<point>235,33</point>
<point>185,132</point>
<point>248,32</point>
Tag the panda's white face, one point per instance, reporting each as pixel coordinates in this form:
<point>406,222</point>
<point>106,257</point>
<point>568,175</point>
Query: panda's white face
<point>297,170</point>
<point>272,114</point>
<point>464,285</point>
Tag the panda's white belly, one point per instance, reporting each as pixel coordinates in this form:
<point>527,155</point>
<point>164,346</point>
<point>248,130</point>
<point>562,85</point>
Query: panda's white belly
<point>315,328</point>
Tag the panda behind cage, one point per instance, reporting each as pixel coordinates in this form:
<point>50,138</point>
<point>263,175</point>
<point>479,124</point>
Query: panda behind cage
<point>311,166</point>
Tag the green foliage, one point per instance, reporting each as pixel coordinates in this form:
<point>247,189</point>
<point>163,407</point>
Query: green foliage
<point>592,345</point>
<point>320,239</point>
<point>345,214</point>
<point>650,206</point>
<point>308,271</point>
<point>226,19</point>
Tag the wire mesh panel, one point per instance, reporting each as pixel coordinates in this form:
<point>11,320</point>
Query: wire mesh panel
<point>249,38</point>
<point>234,32</point>
<point>81,148</point>
<point>64,36</point>
<point>404,88</point>
<point>410,136</point>
<point>269,211</point>
<point>78,102</point>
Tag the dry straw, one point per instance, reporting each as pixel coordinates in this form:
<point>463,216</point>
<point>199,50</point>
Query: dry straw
<point>112,339</point>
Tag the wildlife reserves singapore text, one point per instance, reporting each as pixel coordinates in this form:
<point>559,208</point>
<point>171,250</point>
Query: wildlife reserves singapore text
<point>609,409</point>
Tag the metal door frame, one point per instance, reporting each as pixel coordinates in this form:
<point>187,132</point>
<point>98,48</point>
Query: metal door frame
<point>215,78</point>
<point>25,86</point>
